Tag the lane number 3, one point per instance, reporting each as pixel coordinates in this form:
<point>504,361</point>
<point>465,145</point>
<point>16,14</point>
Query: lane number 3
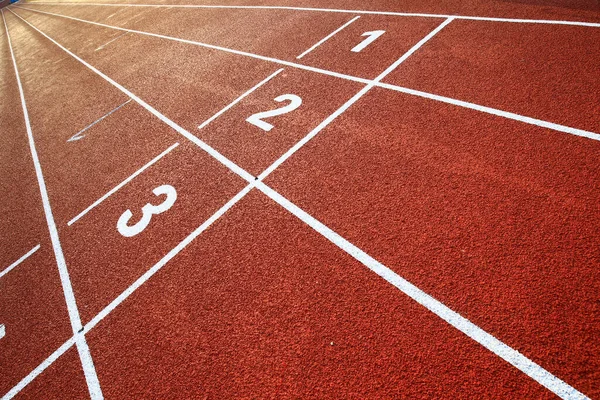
<point>371,37</point>
<point>257,119</point>
<point>147,212</point>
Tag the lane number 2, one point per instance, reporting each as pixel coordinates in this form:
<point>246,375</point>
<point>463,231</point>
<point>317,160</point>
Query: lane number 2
<point>147,212</point>
<point>371,37</point>
<point>257,119</point>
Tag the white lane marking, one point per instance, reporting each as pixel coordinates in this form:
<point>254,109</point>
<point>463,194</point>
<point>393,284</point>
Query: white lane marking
<point>79,135</point>
<point>372,36</point>
<point>110,41</point>
<point>352,100</point>
<point>494,111</point>
<point>86,359</point>
<point>2,331</point>
<point>204,146</point>
<point>19,261</point>
<point>460,103</point>
<point>120,185</point>
<point>148,211</point>
<point>39,369</point>
<point>336,10</point>
<point>518,360</point>
<point>233,103</point>
<point>326,38</point>
<point>510,355</point>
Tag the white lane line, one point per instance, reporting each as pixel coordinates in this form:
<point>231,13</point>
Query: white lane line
<point>39,369</point>
<point>518,360</point>
<point>510,355</point>
<point>326,38</point>
<point>86,360</point>
<point>110,41</point>
<point>352,100</point>
<point>2,331</point>
<point>204,146</point>
<point>460,103</point>
<point>252,89</point>
<point>19,261</point>
<point>336,10</point>
<point>494,111</point>
<point>79,135</point>
<point>120,185</point>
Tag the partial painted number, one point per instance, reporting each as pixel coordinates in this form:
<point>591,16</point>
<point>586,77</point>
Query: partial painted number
<point>371,37</point>
<point>147,212</point>
<point>257,119</point>
<point>2,331</point>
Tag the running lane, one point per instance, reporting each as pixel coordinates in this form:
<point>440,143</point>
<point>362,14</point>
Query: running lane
<point>492,217</point>
<point>540,71</point>
<point>245,311</point>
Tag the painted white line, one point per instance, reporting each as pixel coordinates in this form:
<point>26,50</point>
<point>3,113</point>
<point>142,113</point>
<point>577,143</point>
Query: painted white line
<point>204,146</point>
<point>2,331</point>
<point>86,359</point>
<point>79,135</point>
<point>488,341</point>
<point>39,369</point>
<point>120,185</point>
<point>19,261</point>
<point>110,41</point>
<point>510,355</point>
<point>352,100</point>
<point>326,38</point>
<point>334,10</point>
<point>460,103</point>
<point>494,111</point>
<point>252,89</point>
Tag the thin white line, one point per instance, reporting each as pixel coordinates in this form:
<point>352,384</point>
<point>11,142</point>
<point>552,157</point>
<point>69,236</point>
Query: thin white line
<point>73,138</point>
<point>2,331</point>
<point>86,359</point>
<point>120,185</point>
<point>39,369</point>
<point>259,84</point>
<point>460,103</point>
<point>518,360</point>
<point>221,158</point>
<point>352,100</point>
<point>110,41</point>
<point>334,10</point>
<point>326,38</point>
<point>19,261</point>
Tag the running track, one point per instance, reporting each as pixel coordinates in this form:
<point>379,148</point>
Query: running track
<point>419,220</point>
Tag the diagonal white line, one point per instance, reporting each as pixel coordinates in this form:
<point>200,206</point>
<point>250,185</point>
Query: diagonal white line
<point>86,359</point>
<point>525,365</point>
<point>233,103</point>
<point>120,185</point>
<point>460,103</point>
<point>19,261</point>
<point>326,38</point>
<point>78,136</point>
<point>335,10</point>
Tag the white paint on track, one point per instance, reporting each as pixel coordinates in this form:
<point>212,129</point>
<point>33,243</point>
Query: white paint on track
<point>334,10</point>
<point>120,185</point>
<point>2,331</point>
<point>326,38</point>
<point>508,354</point>
<point>19,261</point>
<point>79,135</point>
<point>233,103</point>
<point>460,103</point>
<point>86,359</point>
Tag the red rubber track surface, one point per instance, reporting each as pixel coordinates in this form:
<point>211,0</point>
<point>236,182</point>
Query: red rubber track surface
<point>227,294</point>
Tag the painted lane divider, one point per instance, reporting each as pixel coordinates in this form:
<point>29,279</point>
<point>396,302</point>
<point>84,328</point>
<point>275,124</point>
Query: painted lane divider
<point>326,38</point>
<point>79,135</point>
<point>2,331</point>
<point>19,261</point>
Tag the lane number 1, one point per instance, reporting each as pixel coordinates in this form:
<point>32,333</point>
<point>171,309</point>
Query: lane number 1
<point>371,37</point>
<point>147,212</point>
<point>257,119</point>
